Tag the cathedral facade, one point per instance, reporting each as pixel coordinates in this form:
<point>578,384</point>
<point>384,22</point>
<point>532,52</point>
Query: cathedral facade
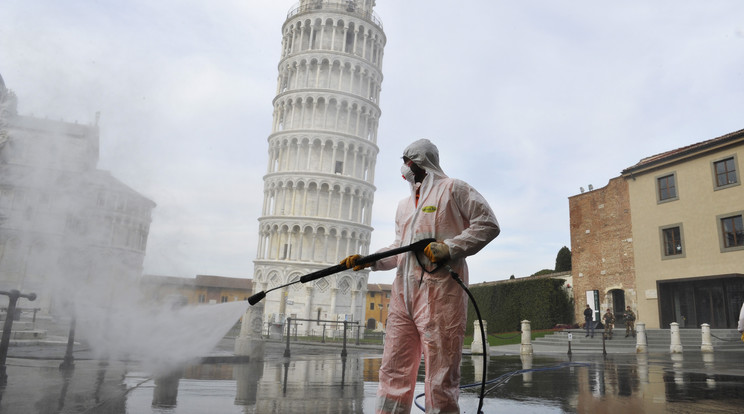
<point>66,227</point>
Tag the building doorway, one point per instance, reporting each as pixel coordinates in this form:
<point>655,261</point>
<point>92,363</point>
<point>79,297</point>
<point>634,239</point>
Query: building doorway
<point>693,302</point>
<point>618,303</point>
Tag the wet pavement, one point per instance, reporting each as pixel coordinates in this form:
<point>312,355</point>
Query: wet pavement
<point>316,379</point>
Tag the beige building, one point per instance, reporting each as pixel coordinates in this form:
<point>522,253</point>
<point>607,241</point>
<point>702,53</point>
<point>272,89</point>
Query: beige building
<point>377,305</point>
<point>200,289</point>
<point>687,207</point>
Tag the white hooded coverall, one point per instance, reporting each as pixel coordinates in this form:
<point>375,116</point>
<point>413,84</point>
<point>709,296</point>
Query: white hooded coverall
<point>429,315</point>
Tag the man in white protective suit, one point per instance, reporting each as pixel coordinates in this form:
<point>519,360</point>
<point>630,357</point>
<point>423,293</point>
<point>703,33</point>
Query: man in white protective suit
<point>428,309</point>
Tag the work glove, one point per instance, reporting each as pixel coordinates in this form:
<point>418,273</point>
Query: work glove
<point>437,252</point>
<point>350,262</point>
<point>742,336</point>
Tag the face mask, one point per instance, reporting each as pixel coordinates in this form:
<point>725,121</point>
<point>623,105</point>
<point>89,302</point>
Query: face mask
<point>407,173</point>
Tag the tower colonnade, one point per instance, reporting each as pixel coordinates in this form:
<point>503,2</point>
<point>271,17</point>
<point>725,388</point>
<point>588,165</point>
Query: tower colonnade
<point>341,156</point>
<point>317,200</point>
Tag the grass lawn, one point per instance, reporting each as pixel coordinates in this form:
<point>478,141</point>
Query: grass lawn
<point>494,339</point>
<point>508,338</point>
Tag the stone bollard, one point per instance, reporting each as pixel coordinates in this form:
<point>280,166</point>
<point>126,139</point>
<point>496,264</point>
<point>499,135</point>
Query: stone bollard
<point>707,343</point>
<point>710,372</point>
<point>527,365</point>
<point>676,343</point>
<point>478,367</point>
<point>641,345</point>
<point>476,348</point>
<point>526,348</point>
<point>250,342</point>
<point>642,361</point>
<point>677,367</point>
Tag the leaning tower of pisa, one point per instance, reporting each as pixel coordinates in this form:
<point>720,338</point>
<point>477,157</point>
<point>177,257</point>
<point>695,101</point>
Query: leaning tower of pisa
<point>319,184</point>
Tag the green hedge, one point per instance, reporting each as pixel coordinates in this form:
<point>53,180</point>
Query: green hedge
<point>542,301</point>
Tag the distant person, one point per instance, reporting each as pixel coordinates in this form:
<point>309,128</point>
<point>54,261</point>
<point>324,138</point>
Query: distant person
<point>609,323</point>
<point>589,320</point>
<point>630,318</point>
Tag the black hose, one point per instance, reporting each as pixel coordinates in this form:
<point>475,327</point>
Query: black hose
<point>459,281</point>
<point>483,336</point>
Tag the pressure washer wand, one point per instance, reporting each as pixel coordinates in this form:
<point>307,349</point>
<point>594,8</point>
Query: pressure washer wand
<point>415,247</point>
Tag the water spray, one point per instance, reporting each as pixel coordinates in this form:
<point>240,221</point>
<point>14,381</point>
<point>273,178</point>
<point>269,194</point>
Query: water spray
<point>13,296</point>
<point>413,247</point>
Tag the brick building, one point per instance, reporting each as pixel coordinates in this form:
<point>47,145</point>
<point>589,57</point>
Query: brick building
<point>602,249</point>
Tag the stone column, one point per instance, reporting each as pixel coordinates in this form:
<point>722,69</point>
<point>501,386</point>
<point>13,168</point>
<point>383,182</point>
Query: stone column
<point>641,345</point>
<point>477,346</point>
<point>308,308</point>
<point>354,294</point>
<point>250,342</point>
<point>676,343</point>
<point>334,292</point>
<point>707,342</point>
<point>526,348</point>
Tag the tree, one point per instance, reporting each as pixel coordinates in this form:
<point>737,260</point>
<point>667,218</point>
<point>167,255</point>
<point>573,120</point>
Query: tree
<point>563,260</point>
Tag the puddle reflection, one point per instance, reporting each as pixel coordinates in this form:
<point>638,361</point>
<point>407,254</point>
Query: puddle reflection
<point>615,384</point>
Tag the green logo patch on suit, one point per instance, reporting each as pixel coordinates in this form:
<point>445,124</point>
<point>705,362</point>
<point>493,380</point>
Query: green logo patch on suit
<point>429,209</point>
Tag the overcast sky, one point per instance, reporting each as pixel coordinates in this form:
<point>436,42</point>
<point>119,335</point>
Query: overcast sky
<point>527,101</point>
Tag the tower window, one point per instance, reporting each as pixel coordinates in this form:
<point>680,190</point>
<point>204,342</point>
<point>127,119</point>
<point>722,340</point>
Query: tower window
<point>339,167</point>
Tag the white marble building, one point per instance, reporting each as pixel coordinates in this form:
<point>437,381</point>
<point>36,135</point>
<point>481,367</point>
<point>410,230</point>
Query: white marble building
<point>319,185</point>
<point>66,227</point>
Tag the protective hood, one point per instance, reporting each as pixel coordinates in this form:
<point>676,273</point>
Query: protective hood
<point>425,155</point>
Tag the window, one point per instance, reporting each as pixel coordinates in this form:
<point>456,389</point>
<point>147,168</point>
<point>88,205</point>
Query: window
<point>731,232</point>
<point>666,188</point>
<point>724,173</point>
<point>223,299</point>
<point>202,298</point>
<point>672,245</point>
<point>339,167</point>
<point>371,306</point>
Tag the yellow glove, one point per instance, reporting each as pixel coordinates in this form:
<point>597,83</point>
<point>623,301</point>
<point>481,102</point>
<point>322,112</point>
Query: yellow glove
<point>742,336</point>
<point>437,252</point>
<point>350,262</point>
